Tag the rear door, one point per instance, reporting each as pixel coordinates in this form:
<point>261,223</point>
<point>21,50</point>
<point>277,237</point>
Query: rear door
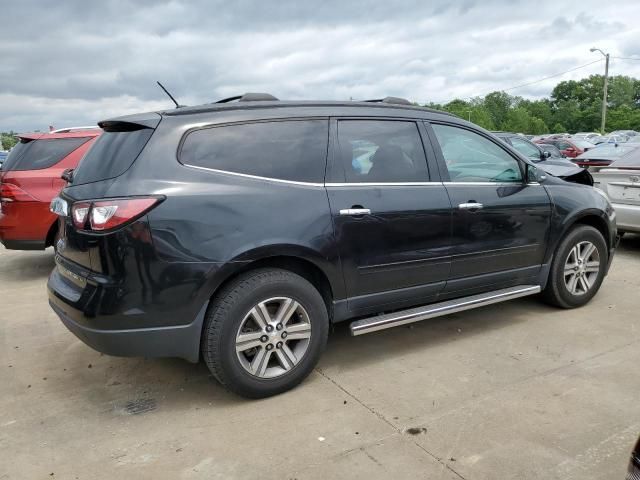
<point>392,216</point>
<point>500,222</point>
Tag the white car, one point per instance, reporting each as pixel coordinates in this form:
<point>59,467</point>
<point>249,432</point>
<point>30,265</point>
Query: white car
<point>620,181</point>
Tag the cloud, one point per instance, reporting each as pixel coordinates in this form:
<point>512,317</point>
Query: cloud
<point>80,62</point>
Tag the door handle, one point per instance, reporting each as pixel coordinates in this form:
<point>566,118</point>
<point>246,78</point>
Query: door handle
<point>355,211</point>
<point>471,206</point>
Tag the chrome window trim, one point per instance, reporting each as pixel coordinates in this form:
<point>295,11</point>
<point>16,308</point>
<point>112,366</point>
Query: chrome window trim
<point>489,184</point>
<point>381,184</point>
<point>256,177</point>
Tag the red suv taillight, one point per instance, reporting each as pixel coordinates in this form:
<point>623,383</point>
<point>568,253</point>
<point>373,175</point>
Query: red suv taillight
<point>12,193</point>
<point>108,214</point>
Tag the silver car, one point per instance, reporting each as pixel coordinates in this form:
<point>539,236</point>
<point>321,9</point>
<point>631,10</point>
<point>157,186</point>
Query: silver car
<point>620,181</point>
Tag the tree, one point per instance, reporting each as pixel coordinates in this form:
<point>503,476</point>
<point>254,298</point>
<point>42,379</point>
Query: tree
<point>8,140</point>
<point>498,105</point>
<point>558,128</point>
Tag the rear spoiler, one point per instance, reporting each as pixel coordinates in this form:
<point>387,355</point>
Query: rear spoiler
<point>129,123</point>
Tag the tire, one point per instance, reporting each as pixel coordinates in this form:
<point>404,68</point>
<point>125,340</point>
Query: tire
<point>559,291</point>
<point>239,309</point>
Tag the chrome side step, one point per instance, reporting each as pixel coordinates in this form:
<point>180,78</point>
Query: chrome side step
<point>394,319</point>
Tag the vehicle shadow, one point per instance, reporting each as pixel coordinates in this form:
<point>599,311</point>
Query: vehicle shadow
<point>630,243</point>
<point>349,352</point>
<point>25,266</point>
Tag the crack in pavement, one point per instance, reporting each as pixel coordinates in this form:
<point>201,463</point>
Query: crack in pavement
<point>388,422</point>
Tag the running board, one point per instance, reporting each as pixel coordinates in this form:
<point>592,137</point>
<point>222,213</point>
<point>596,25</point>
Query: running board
<point>402,317</point>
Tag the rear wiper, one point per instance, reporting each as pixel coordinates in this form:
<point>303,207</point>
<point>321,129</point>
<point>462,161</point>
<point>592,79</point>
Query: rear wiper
<point>67,175</point>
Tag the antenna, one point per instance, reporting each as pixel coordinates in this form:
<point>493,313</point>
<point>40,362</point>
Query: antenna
<point>170,96</point>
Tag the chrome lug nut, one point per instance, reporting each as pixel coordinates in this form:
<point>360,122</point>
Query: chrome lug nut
<point>269,328</point>
<point>279,345</point>
<point>279,326</point>
<point>284,335</point>
<point>264,338</point>
<point>269,347</point>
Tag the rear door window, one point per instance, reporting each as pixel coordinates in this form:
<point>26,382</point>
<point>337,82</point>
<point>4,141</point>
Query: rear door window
<point>381,151</point>
<point>293,150</point>
<point>41,153</point>
<point>111,155</point>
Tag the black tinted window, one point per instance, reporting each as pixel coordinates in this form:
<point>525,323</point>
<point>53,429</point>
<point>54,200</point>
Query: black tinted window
<point>111,155</point>
<point>379,151</point>
<point>41,153</point>
<point>287,150</point>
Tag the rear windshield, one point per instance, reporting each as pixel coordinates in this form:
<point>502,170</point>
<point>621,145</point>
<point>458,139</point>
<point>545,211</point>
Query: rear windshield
<point>111,155</point>
<point>41,153</point>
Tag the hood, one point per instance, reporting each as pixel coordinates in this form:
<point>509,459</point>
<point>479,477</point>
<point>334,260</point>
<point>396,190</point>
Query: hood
<point>566,170</point>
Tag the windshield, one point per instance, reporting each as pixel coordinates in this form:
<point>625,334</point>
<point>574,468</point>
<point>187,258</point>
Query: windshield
<point>111,155</point>
<point>608,151</point>
<point>583,144</point>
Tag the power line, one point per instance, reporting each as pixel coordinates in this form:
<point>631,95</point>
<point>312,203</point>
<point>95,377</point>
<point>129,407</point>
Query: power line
<point>550,76</point>
<point>627,58</point>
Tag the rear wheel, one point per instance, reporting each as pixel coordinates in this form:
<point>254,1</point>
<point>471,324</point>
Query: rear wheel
<point>578,268</point>
<point>264,332</point>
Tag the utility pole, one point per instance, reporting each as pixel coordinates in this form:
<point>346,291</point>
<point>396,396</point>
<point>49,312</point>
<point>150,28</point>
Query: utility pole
<point>469,112</point>
<point>606,85</point>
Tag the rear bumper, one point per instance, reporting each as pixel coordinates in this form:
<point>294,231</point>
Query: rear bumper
<point>22,244</point>
<point>627,217</point>
<point>179,341</point>
<point>25,225</point>
<point>182,341</point>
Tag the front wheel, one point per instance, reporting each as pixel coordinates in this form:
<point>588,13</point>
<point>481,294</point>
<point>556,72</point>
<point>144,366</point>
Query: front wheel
<point>578,268</point>
<point>264,332</point>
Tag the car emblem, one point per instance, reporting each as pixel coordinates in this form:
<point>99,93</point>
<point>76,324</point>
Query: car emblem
<point>634,178</point>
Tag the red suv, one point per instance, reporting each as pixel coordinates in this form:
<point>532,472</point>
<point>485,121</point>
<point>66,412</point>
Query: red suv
<point>30,179</point>
<point>570,147</point>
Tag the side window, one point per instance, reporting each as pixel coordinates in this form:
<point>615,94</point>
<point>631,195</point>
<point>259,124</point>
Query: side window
<point>472,158</point>
<point>287,150</point>
<point>381,151</point>
<point>562,145</point>
<point>526,148</point>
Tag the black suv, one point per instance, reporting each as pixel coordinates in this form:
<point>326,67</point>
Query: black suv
<point>240,231</point>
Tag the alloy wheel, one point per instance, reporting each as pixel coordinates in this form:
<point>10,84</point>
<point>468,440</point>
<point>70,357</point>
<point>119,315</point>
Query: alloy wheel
<point>581,268</point>
<point>273,337</point>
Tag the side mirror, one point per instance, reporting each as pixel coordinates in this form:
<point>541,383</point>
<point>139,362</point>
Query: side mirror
<point>534,175</point>
<point>546,154</point>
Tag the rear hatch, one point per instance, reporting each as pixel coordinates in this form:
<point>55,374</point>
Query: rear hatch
<point>621,185</point>
<point>28,174</point>
<point>110,157</point>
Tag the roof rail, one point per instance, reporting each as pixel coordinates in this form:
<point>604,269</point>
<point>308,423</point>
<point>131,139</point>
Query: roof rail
<point>391,100</point>
<point>74,129</point>
<point>249,97</point>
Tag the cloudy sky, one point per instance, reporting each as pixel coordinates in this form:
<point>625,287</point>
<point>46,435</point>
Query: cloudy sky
<point>76,62</point>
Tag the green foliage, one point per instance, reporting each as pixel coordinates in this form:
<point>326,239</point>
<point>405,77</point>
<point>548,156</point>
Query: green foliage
<point>572,107</point>
<point>8,140</point>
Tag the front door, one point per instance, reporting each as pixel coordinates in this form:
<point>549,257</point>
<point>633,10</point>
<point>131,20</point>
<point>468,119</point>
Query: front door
<point>500,221</point>
<point>392,220</point>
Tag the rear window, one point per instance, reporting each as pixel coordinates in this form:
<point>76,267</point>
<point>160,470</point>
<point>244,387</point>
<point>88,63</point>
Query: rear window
<point>111,155</point>
<point>289,150</point>
<point>41,153</point>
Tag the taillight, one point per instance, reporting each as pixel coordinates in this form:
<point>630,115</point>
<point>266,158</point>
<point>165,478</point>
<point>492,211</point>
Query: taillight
<point>12,193</point>
<point>109,214</point>
<point>79,213</point>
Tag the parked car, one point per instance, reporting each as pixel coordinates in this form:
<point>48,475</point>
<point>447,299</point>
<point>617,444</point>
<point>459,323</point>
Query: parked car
<point>238,232</point>
<point>626,133</point>
<point>557,165</point>
<point>604,155</point>
<point>30,179</point>
<point>3,156</point>
<point>611,139</point>
<point>570,147</point>
<point>585,136</point>
<point>621,182</point>
<point>554,152</point>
